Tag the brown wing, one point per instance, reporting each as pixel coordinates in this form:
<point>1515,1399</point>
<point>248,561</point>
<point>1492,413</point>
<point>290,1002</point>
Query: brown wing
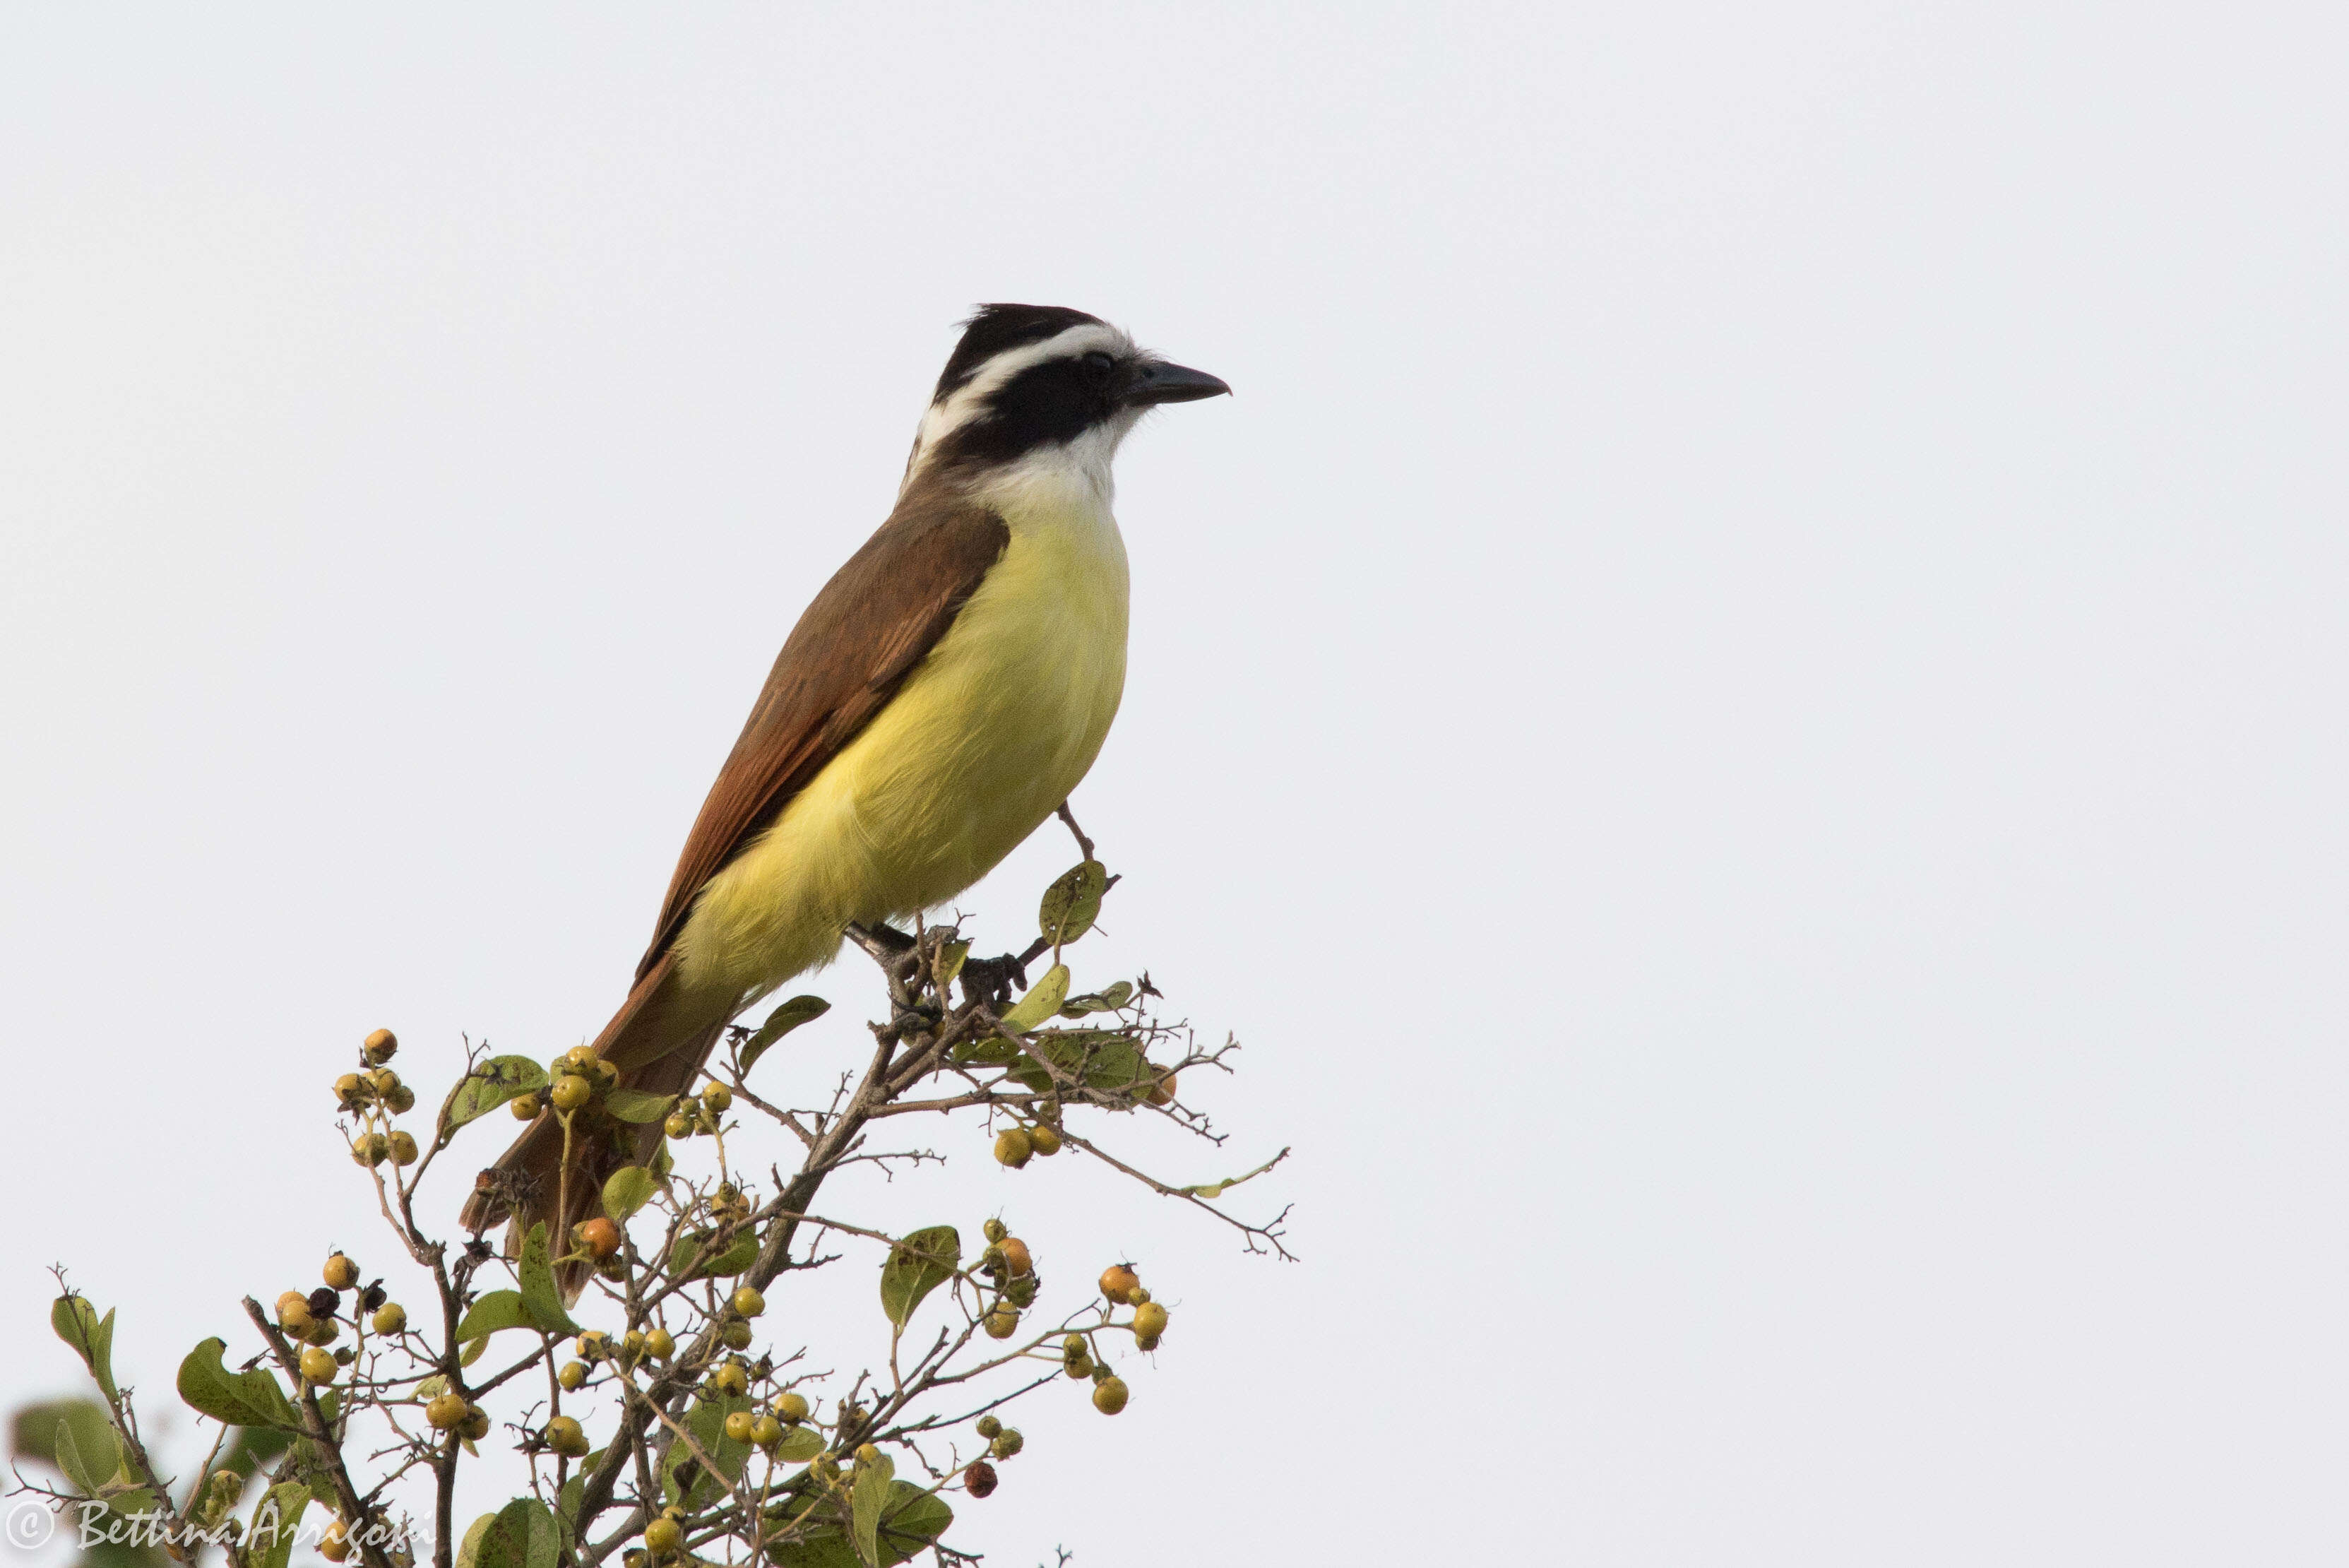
<point>873,623</point>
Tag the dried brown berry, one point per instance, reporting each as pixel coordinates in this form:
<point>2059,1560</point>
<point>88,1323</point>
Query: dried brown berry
<point>979,1479</point>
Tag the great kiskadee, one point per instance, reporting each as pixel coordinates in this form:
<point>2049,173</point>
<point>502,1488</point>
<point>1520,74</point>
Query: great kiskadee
<point>936,702</point>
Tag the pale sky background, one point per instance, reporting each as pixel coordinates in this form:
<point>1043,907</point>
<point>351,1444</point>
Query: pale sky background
<point>1743,712</point>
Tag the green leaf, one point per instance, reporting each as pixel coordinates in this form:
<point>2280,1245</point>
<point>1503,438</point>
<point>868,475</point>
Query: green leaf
<point>236,1399</point>
<point>522,1534</point>
<point>574,1492</point>
<point>799,1445</point>
<point>490,1084</point>
<point>1109,1001</point>
<point>950,961</point>
<point>707,1421</point>
<point>538,1291</point>
<point>1072,902</point>
<point>488,1545</point>
<point>917,1266</point>
<point>913,1520</point>
<point>88,1450</point>
<point>91,1336</point>
<point>1042,1001</point>
<point>685,1260</point>
<point>494,1310</point>
<point>276,1521</point>
<point>799,1010</point>
<point>868,1497</point>
<point>635,1105</point>
<point>627,1189</point>
<point>1097,1058</point>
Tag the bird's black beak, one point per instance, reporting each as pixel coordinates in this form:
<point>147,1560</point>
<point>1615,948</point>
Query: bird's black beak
<point>1157,381</point>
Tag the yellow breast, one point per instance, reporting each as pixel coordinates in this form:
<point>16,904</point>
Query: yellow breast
<point>985,739</point>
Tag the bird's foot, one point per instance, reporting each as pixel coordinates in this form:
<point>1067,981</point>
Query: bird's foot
<point>990,981</point>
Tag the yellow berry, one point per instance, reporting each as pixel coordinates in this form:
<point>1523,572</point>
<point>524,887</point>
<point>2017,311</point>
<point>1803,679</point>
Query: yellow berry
<point>475,1426</point>
<point>1046,1139</point>
<point>580,1058</point>
<point>739,1426</point>
<point>574,1374</point>
<point>995,1230</point>
<point>594,1345</point>
<point>679,1124</point>
<point>1013,1146</point>
<point>718,1097</point>
<point>571,1091</point>
<point>1007,1443</point>
<point>1016,1258</point>
<point>380,1046</point>
<point>735,1335</point>
<point>370,1148</point>
<point>747,1302</point>
<point>565,1436</point>
<point>661,1345</point>
<point>403,1148</point>
<point>663,1536</point>
<point>334,1540</point>
<point>445,1411</point>
<point>731,1381</point>
<point>1001,1321</point>
<point>401,1101</point>
<point>765,1431</point>
<point>318,1365</point>
<point>524,1108</point>
<point>792,1407</point>
<point>1109,1395</point>
<point>340,1272</point>
<point>383,1080</point>
<point>1116,1281</point>
<point>390,1318</point>
<point>1161,1093</point>
<point>866,1454</point>
<point>350,1091</point>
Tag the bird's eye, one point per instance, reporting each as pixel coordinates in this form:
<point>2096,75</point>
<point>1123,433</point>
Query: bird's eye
<point>1100,364</point>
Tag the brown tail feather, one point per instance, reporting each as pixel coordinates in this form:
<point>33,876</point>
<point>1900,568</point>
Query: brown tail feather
<point>659,1040</point>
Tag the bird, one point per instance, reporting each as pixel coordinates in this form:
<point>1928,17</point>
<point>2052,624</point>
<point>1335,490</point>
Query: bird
<point>939,698</point>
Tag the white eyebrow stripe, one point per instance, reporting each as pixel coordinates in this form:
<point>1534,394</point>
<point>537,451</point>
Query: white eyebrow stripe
<point>968,401</point>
